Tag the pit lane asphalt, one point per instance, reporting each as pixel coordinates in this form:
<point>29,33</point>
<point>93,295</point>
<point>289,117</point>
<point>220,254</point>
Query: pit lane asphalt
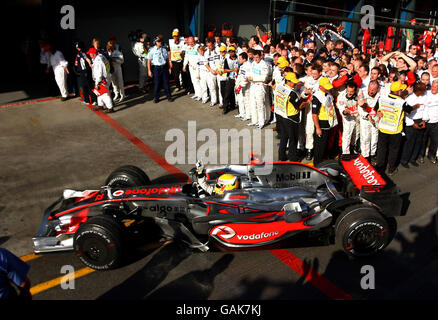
<point>51,145</point>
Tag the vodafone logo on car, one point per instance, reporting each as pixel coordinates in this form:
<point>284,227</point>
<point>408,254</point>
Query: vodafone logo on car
<point>366,171</point>
<point>362,173</point>
<point>118,193</point>
<point>224,232</point>
<point>227,233</point>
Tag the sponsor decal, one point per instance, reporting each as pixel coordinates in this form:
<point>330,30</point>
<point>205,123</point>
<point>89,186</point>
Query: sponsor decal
<point>118,193</point>
<point>224,232</point>
<point>367,172</point>
<point>227,233</point>
<point>362,173</point>
<point>259,236</point>
<point>281,177</point>
<point>148,191</point>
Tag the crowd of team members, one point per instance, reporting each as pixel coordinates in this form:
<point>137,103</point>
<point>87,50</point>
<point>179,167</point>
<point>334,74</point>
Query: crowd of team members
<point>325,102</point>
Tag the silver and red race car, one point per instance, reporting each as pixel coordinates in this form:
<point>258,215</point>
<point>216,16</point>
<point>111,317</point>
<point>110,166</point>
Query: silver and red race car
<point>345,199</point>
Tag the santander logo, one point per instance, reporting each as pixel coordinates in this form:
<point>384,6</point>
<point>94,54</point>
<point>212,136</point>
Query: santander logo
<point>367,174</point>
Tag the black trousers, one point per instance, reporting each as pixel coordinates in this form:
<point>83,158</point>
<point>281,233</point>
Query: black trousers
<point>84,81</point>
<point>412,145</point>
<point>320,146</point>
<point>289,134</point>
<point>176,71</point>
<point>388,148</point>
<point>228,96</point>
<point>431,133</point>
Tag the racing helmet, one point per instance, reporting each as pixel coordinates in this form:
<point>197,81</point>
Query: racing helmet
<point>226,182</point>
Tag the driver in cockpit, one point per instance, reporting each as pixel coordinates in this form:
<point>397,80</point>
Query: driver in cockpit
<point>225,182</point>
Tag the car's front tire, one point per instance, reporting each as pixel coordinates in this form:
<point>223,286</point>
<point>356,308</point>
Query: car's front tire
<point>99,243</point>
<point>362,231</point>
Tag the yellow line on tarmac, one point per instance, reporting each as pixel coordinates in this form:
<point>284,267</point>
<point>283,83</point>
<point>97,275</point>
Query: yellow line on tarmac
<point>56,282</point>
<point>29,257</point>
<point>81,272</point>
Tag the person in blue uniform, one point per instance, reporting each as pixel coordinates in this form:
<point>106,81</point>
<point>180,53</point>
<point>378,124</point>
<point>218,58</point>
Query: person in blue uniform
<point>158,69</point>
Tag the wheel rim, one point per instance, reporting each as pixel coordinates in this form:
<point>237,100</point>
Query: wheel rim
<point>365,240</point>
<point>95,251</point>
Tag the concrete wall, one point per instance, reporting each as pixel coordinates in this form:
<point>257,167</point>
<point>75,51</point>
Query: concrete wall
<point>152,17</point>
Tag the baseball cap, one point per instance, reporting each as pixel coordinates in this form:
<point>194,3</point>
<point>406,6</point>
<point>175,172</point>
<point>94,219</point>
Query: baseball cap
<point>222,48</point>
<point>397,86</point>
<point>282,62</point>
<point>175,33</point>
<point>231,48</point>
<point>92,50</point>
<point>290,76</point>
<point>325,83</point>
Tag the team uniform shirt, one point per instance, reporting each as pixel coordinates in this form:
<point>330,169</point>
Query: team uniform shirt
<point>101,69</point>
<point>322,105</point>
<point>201,63</point>
<point>277,76</point>
<point>431,110</point>
<point>57,60</point>
<point>212,59</point>
<point>232,64</point>
<point>372,104</point>
<point>244,70</point>
<point>347,103</point>
<point>81,63</point>
<point>416,114</point>
<point>191,56</point>
<point>217,47</point>
<point>139,50</point>
<point>116,58</point>
<point>260,72</point>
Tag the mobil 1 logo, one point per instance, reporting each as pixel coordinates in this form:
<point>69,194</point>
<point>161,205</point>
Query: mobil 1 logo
<point>292,176</point>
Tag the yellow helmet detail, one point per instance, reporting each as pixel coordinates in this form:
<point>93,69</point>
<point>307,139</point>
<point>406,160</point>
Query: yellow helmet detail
<point>226,182</point>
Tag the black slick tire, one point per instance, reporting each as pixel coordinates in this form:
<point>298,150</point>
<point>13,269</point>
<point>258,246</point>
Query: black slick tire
<point>126,177</point>
<point>99,243</point>
<point>362,231</point>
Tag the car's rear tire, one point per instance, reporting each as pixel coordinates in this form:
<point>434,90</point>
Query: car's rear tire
<point>99,243</point>
<point>362,231</point>
<point>127,176</point>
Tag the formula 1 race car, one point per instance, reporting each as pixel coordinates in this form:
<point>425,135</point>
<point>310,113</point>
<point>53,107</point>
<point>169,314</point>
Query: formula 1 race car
<point>345,199</point>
